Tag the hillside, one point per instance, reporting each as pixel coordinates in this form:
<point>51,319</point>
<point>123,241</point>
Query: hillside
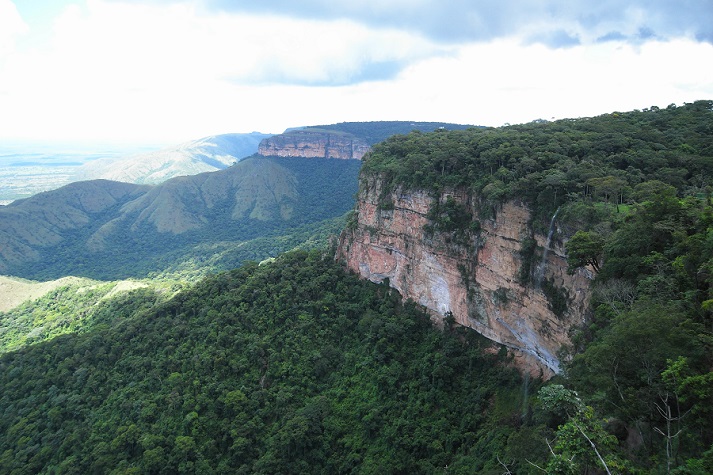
<point>113,230</point>
<point>15,291</point>
<point>475,222</point>
<point>204,155</point>
<point>290,367</point>
<point>74,305</point>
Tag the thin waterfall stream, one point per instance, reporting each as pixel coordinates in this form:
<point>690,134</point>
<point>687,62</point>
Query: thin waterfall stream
<point>540,271</point>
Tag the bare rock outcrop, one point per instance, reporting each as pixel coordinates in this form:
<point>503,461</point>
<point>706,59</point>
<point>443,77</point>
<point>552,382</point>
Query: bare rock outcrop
<point>314,144</point>
<point>477,278</point>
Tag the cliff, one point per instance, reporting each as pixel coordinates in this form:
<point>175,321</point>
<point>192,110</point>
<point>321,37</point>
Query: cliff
<point>475,275</point>
<point>314,144</point>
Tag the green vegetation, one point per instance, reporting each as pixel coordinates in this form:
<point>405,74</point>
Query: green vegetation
<point>645,358</point>
<point>584,249</point>
<point>550,164</point>
<point>283,203</point>
<point>375,132</point>
<point>288,367</point>
<point>633,192</point>
<point>79,307</point>
<point>295,366</point>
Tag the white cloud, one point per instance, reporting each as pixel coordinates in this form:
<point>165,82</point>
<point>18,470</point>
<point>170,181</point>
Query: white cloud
<point>172,73</point>
<point>11,25</point>
<point>112,61</point>
<point>506,82</point>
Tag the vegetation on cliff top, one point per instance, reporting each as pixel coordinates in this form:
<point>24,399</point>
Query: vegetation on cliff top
<point>548,164</point>
<point>375,132</point>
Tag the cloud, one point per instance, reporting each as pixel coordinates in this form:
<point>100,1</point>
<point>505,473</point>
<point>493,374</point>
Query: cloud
<point>140,46</point>
<point>169,71</point>
<point>155,65</point>
<point>281,50</point>
<point>451,21</point>
<point>11,25</point>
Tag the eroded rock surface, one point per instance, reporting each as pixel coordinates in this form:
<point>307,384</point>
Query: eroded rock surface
<point>477,279</point>
<point>314,144</point>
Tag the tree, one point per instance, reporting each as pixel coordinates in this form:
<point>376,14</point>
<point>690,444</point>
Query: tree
<point>610,186</point>
<point>583,249</point>
<point>577,435</point>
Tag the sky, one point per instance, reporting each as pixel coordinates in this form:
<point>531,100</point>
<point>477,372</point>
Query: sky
<point>169,71</point>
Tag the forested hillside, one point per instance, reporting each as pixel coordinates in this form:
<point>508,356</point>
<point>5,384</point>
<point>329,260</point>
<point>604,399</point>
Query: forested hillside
<point>289,367</point>
<point>109,230</point>
<point>548,164</point>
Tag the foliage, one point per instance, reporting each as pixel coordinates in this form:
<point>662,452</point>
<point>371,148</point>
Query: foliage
<point>584,249</point>
<point>648,352</point>
<point>295,366</point>
<point>374,132</point>
<point>632,192</point>
<point>76,308</point>
<point>557,297</point>
<point>287,367</point>
<point>324,188</point>
<point>548,164</point>
<point>453,220</point>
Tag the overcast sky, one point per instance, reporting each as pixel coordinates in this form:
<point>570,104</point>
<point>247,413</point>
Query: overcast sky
<point>168,71</point>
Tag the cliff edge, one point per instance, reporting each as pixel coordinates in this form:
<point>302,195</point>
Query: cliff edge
<point>314,144</point>
<point>475,275</point>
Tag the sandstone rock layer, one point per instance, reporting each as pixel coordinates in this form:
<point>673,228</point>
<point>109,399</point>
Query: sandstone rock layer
<point>314,144</point>
<point>478,281</point>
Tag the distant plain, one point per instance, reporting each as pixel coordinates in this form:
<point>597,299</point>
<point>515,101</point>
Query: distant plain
<point>24,173</point>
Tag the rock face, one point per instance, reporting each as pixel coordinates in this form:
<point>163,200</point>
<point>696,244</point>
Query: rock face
<point>314,144</point>
<point>477,279</point>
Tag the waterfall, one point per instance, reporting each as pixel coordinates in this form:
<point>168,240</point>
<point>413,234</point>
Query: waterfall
<point>540,271</point>
<point>525,393</point>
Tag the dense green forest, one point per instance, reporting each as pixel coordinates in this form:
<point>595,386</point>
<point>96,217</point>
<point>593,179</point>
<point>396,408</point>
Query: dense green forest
<point>548,164</point>
<point>78,307</point>
<point>288,367</point>
<point>295,366</point>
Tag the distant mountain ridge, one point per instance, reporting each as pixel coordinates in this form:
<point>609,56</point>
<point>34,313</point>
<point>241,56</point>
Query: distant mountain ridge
<point>314,143</point>
<point>106,229</point>
<point>113,229</point>
<point>212,153</point>
<point>377,131</point>
<point>347,140</point>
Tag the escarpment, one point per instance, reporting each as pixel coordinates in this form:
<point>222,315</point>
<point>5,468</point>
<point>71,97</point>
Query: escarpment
<point>493,275</point>
<point>314,144</point>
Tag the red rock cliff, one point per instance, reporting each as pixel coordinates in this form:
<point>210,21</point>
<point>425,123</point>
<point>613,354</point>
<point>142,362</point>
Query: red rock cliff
<point>314,144</point>
<point>477,281</point>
